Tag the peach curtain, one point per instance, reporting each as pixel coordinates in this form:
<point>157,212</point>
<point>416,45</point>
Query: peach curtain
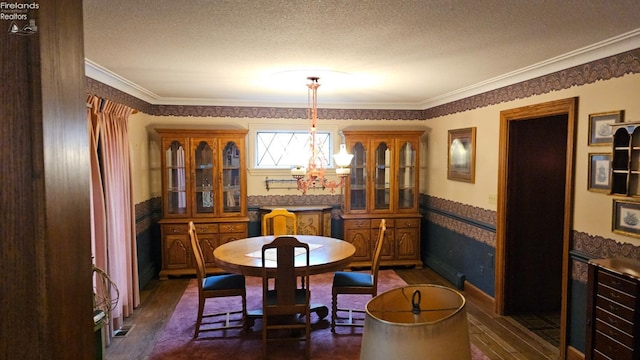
<point>112,210</point>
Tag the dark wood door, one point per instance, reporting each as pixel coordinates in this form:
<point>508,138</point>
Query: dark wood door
<point>535,214</point>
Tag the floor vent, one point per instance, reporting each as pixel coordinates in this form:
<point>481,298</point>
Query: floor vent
<point>123,331</point>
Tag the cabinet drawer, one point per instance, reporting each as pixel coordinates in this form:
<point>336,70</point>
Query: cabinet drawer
<point>227,237</point>
<point>622,337</point>
<point>616,296</point>
<point>613,307</point>
<point>357,224</point>
<point>407,223</point>
<point>233,227</point>
<point>183,229</point>
<point>614,320</point>
<point>375,223</point>
<point>611,348</point>
<point>617,282</point>
<point>206,228</point>
<point>175,229</point>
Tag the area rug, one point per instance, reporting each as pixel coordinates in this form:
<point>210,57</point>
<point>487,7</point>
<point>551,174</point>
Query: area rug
<point>176,341</point>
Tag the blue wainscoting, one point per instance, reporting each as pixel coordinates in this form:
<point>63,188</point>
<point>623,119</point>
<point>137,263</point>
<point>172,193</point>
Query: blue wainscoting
<point>148,240</point>
<point>577,301</point>
<point>337,224</point>
<point>149,257</point>
<point>255,221</point>
<point>458,257</point>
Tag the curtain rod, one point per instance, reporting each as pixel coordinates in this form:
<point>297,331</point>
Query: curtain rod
<point>133,111</point>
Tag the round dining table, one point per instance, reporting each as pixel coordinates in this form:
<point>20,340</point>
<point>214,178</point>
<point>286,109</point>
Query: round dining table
<point>244,256</point>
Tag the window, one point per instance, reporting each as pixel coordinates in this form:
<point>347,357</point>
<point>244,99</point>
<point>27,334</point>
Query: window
<point>283,149</point>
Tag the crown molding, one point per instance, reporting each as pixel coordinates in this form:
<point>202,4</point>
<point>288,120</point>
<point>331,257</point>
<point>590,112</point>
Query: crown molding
<point>613,46</point>
<point>105,76</point>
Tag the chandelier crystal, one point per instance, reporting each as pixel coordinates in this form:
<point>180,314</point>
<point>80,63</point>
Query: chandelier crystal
<point>314,174</point>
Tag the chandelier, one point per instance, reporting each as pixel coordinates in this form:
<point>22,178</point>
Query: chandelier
<point>314,174</point>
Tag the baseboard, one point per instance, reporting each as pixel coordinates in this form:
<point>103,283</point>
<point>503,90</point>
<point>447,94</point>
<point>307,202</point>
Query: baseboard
<point>479,295</point>
<point>574,354</point>
<point>456,278</point>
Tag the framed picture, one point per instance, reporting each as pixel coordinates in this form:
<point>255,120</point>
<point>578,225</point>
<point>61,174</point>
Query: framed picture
<point>626,217</point>
<point>600,172</point>
<point>600,132</point>
<point>461,157</point>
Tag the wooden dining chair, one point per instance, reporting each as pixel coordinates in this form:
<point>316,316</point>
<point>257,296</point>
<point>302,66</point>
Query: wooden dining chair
<point>347,282</point>
<point>216,286</point>
<point>284,300</point>
<point>279,221</point>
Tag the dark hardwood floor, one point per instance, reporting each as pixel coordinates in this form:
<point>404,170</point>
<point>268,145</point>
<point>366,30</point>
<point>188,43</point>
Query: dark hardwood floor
<point>497,336</point>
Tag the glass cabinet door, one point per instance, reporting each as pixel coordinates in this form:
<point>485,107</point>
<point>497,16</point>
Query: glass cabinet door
<point>406,176</point>
<point>634,164</point>
<point>176,178</point>
<point>382,177</point>
<point>203,157</point>
<point>231,178</point>
<point>358,188</point>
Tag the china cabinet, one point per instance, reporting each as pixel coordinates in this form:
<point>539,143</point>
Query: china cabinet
<point>613,309</point>
<point>204,181</point>
<point>384,184</point>
<point>625,163</point>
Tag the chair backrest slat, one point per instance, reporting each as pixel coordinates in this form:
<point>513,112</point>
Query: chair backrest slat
<point>285,273</point>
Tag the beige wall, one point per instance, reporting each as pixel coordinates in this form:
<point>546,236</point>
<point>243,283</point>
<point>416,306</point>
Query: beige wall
<point>592,211</point>
<point>141,160</point>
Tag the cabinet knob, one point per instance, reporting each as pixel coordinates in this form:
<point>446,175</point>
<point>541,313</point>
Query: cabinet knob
<point>176,231</point>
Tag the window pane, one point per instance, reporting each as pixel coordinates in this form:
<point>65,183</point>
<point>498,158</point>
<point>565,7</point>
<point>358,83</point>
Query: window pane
<point>286,149</point>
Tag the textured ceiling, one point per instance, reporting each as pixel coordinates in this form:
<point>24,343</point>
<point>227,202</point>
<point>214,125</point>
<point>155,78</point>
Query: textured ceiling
<point>369,54</point>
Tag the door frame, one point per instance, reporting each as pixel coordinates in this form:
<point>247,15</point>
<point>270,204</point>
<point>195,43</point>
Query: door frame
<point>552,108</point>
